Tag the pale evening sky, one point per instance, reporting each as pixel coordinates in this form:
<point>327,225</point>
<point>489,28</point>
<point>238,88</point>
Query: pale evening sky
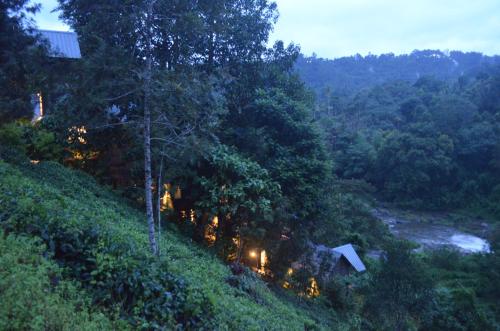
<point>334,28</point>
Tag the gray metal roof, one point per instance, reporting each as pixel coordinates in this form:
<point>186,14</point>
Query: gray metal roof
<point>62,44</point>
<point>350,254</point>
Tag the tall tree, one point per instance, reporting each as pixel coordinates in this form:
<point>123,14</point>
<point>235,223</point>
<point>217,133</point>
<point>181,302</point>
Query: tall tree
<point>19,58</point>
<point>148,178</point>
<point>161,42</point>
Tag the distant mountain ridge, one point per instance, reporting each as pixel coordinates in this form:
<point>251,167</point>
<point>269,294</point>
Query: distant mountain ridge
<point>348,75</point>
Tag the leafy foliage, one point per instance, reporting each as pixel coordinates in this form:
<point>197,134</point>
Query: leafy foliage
<point>34,296</point>
<point>401,289</point>
<point>35,142</point>
<point>20,59</point>
<point>429,145</point>
<point>102,244</point>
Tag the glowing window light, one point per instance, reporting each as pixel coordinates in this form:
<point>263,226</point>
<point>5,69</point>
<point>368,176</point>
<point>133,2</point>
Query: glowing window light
<point>263,262</point>
<point>192,216</point>
<point>313,289</point>
<point>40,101</point>
<point>211,232</point>
<point>37,102</point>
<point>166,201</point>
<point>77,155</point>
<point>79,133</point>
<point>252,254</point>
<point>263,258</point>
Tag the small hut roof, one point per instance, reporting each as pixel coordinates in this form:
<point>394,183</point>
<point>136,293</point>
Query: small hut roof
<point>350,254</point>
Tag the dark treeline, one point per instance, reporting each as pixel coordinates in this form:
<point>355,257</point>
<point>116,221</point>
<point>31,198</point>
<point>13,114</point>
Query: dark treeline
<point>347,75</point>
<point>430,144</point>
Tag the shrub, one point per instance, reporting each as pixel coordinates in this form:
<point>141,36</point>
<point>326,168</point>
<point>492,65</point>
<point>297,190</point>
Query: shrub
<point>34,298</point>
<point>338,294</point>
<point>119,276</point>
<point>23,138</point>
<point>102,244</point>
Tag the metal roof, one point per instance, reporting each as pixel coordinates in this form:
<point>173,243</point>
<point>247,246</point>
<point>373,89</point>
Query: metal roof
<point>350,254</point>
<point>62,44</point>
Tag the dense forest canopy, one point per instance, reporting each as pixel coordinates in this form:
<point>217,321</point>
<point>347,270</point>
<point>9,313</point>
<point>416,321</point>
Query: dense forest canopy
<point>424,131</point>
<point>348,75</point>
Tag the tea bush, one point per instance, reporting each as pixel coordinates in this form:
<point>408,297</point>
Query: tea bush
<point>101,243</point>
<point>33,297</point>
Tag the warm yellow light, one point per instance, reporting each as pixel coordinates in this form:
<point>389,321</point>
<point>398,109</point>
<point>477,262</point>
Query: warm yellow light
<point>35,161</point>
<point>77,155</point>
<point>79,132</point>
<point>192,216</point>
<point>236,241</point>
<point>211,231</point>
<point>40,101</point>
<point>253,254</point>
<point>166,201</point>
<point>178,193</point>
<point>263,258</point>
<point>313,289</point>
<point>289,272</point>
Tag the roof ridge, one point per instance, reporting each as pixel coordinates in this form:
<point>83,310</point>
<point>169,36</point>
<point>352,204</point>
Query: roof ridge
<point>56,31</point>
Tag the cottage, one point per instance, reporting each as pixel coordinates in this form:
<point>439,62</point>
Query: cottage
<point>348,260</point>
<point>326,262</point>
<point>62,45</point>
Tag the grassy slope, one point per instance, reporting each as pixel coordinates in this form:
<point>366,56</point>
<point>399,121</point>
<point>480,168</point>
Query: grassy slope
<point>26,280</point>
<point>78,198</point>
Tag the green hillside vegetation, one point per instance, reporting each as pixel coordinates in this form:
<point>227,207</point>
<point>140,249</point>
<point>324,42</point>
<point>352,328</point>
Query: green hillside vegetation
<point>101,243</point>
<point>429,145</point>
<point>33,297</point>
<point>348,75</point>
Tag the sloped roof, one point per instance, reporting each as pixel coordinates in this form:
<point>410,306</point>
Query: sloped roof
<point>62,44</point>
<point>350,254</point>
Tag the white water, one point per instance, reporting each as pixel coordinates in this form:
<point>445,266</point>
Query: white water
<point>430,235</point>
<point>470,243</point>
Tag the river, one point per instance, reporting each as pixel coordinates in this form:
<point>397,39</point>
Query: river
<point>432,234</point>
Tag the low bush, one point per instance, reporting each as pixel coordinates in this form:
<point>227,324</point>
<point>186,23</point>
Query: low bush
<point>19,140</point>
<point>101,243</point>
<point>33,296</point>
<point>118,276</point>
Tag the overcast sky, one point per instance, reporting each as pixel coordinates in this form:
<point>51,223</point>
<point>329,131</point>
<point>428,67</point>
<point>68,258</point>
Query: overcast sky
<point>334,28</point>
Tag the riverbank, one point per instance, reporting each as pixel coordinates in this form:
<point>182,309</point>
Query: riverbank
<point>433,230</point>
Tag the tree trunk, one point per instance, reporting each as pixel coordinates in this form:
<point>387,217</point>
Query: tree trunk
<point>158,204</point>
<point>148,181</point>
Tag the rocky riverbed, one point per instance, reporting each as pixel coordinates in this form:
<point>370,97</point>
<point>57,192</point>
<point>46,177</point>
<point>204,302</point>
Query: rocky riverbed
<point>431,233</point>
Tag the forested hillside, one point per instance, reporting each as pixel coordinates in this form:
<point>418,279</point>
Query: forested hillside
<point>348,75</point>
<point>429,143</point>
<point>97,258</point>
